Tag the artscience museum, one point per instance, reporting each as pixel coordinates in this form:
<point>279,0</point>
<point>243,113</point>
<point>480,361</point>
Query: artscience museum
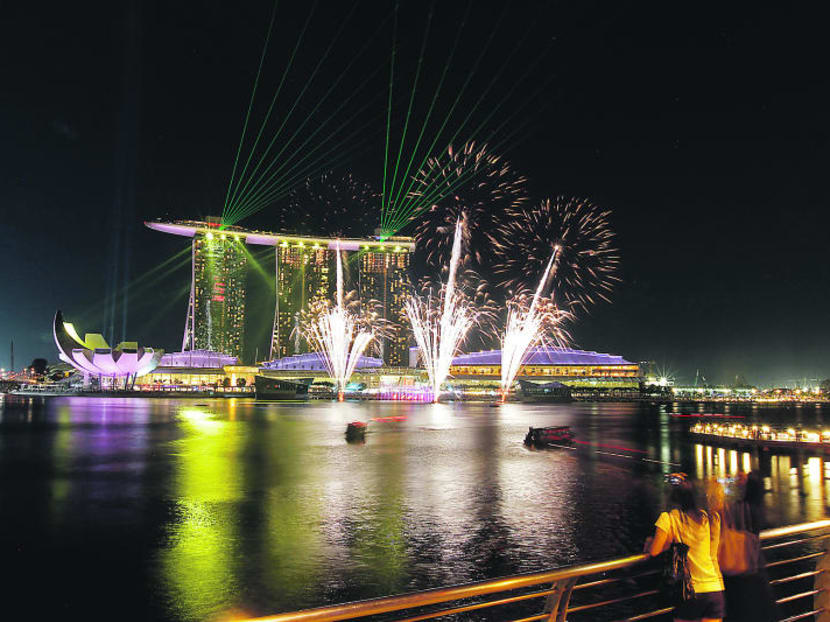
<point>95,358</point>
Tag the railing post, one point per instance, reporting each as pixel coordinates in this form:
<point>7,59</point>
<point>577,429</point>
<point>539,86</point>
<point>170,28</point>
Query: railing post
<point>822,582</point>
<point>556,605</point>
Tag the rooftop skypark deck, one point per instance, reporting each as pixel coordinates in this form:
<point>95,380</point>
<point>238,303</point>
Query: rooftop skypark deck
<point>190,228</point>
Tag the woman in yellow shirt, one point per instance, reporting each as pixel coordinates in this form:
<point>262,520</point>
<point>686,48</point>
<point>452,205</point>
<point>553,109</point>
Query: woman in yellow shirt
<point>689,524</point>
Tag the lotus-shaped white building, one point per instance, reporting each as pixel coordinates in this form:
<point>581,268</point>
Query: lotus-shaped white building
<point>93,356</point>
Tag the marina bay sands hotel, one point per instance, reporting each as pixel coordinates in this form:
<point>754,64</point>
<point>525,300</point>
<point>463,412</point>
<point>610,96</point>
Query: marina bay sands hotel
<point>304,272</point>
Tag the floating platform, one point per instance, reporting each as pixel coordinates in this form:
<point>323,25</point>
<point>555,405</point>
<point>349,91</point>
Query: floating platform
<point>762,437</point>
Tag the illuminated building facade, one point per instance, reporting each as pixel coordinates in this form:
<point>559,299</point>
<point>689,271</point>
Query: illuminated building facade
<point>575,368</point>
<point>198,370</point>
<point>384,277</point>
<point>95,358</point>
<point>216,312</point>
<point>305,272</point>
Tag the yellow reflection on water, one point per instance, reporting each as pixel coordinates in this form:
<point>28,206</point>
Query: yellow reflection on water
<point>721,462</point>
<point>198,565</point>
<point>699,469</point>
<point>293,512</point>
<point>63,450</point>
<point>381,544</point>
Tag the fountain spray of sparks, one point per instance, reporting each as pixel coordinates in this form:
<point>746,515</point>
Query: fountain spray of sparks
<point>441,324</point>
<point>337,335</point>
<point>524,329</point>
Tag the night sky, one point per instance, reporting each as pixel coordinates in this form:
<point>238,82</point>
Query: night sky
<point>702,127</point>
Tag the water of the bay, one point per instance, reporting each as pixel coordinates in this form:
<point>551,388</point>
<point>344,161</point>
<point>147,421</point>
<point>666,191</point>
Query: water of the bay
<point>152,509</point>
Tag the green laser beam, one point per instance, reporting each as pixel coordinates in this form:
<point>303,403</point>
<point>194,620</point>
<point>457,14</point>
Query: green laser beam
<point>272,184</point>
<point>411,100</point>
<point>489,87</point>
<point>251,102</point>
<point>162,311</point>
<point>254,192</point>
<point>388,116</point>
<point>456,101</point>
<point>270,187</point>
<point>284,189</point>
<point>507,96</point>
<point>294,106</point>
<point>438,195</point>
<point>527,100</point>
<point>273,101</point>
<point>405,207</point>
<point>144,283</point>
<point>299,177</point>
<point>157,272</point>
<point>253,260</point>
<point>436,191</point>
<point>433,102</point>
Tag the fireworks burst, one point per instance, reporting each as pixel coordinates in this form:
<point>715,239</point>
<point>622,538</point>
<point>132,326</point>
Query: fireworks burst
<point>586,263</point>
<point>440,324</point>
<point>339,334</point>
<point>530,320</point>
<point>335,205</point>
<point>468,184</point>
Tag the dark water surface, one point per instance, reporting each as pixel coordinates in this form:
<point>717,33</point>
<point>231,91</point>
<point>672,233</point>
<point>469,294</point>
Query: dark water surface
<point>152,509</point>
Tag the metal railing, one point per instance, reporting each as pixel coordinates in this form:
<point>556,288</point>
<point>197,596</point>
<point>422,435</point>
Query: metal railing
<point>620,590</point>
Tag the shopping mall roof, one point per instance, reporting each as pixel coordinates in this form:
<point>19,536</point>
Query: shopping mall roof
<point>544,356</point>
<point>313,361</point>
<point>198,359</point>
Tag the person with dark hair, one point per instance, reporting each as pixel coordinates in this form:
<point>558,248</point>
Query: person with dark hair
<point>690,525</point>
<point>749,594</point>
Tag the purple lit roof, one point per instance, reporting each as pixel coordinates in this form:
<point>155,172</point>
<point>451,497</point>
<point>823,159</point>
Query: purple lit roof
<point>199,359</point>
<point>544,356</point>
<point>190,228</point>
<point>313,361</point>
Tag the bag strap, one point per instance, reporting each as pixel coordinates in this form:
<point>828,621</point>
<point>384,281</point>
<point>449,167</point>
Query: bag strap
<point>676,526</point>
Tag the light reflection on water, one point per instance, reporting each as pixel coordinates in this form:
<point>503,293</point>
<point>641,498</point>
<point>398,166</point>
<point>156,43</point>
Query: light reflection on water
<point>187,509</point>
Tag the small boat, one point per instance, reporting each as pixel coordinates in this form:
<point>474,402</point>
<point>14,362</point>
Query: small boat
<point>551,435</point>
<point>356,432</point>
<point>279,389</point>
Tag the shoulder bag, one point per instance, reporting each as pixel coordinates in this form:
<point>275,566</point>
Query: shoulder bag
<point>677,575</point>
<point>740,549</point>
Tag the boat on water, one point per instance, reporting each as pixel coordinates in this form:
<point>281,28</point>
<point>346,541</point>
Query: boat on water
<point>561,437</point>
<point>356,432</point>
<point>557,435</point>
<point>279,389</point>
